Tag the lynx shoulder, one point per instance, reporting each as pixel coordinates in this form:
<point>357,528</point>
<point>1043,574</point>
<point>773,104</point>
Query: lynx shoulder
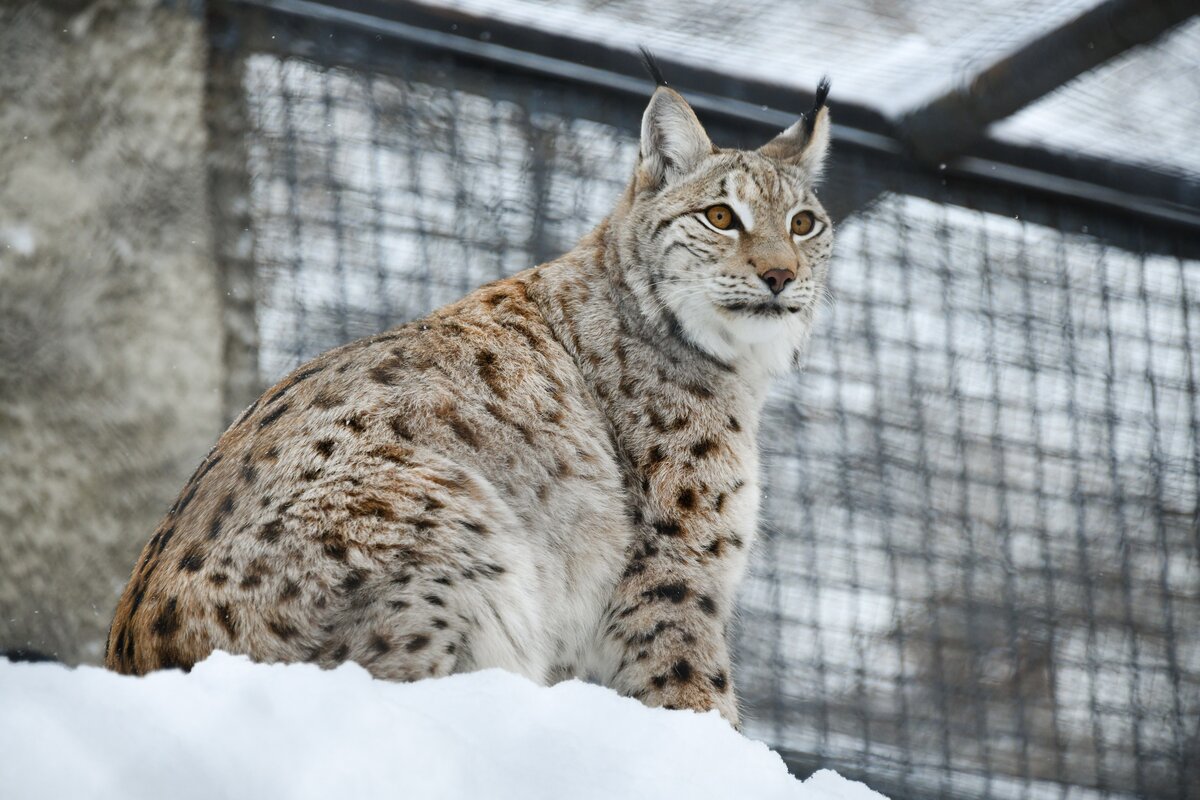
<point>556,475</point>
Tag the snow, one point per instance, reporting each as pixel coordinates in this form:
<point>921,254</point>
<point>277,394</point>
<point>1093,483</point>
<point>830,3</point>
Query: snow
<point>232,728</point>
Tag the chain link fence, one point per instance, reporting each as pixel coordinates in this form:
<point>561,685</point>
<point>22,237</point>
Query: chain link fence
<point>980,567</point>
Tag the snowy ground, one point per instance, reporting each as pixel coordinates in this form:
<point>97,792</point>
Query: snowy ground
<point>232,728</point>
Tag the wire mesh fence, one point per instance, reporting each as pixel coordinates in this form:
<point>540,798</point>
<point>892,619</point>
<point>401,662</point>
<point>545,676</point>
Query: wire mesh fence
<point>980,567</point>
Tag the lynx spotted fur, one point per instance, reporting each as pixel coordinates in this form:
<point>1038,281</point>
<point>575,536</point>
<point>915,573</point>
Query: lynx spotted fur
<point>556,475</point>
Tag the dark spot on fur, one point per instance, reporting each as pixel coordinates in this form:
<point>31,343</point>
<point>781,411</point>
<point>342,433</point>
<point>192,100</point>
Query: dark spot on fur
<point>385,373</point>
<point>167,623</point>
<point>634,568</point>
<point>418,642</point>
<point>667,528</point>
<point>226,619</point>
<point>654,457</point>
<point>218,579</point>
<point>420,524</point>
<point>326,399</point>
<point>274,415</point>
<point>719,681</point>
<point>287,385</point>
<point>440,624</point>
<point>659,681</point>
<point>489,370</point>
<point>398,605</point>
<point>444,581</point>
<point>335,550</point>
<point>715,547</point>
<point>354,423</point>
<point>282,630</point>
<point>400,427</point>
<point>192,561</point>
<point>687,499</point>
<point>675,592</point>
<point>461,428</point>
<point>698,390</point>
<point>380,644</point>
<point>720,503</point>
<point>656,420</point>
<point>434,600</point>
<point>245,414</point>
<point>325,447</point>
<point>353,580</point>
<point>291,590</point>
<point>251,581</point>
<point>703,447</point>
<point>476,527</point>
<point>187,498</point>
<point>341,652</point>
<point>682,671</point>
<point>271,531</point>
<point>707,604</point>
<point>734,425</point>
<point>138,596</point>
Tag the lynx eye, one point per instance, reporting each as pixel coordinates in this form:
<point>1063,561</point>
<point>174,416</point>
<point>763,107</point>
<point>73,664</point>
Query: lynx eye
<point>720,217</point>
<point>804,223</point>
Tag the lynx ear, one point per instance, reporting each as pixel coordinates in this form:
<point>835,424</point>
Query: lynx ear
<point>673,140</point>
<point>805,143</point>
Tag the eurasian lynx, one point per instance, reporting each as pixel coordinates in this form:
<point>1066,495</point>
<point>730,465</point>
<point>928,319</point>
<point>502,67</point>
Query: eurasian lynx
<point>556,475</point>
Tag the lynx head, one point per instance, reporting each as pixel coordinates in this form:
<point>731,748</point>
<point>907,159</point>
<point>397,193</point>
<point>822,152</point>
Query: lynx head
<point>731,246</point>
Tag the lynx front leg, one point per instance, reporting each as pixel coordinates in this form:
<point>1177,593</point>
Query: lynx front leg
<point>666,627</point>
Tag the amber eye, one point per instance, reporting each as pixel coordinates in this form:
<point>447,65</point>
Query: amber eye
<point>804,223</point>
<point>720,217</point>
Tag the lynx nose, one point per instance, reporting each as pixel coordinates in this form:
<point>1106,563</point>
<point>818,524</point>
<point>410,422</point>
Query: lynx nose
<point>776,279</point>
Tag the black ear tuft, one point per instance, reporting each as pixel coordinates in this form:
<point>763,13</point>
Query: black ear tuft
<point>652,67</point>
<point>810,119</point>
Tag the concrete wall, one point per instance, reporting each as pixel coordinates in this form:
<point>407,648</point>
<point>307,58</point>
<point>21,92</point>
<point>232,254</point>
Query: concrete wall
<point>110,335</point>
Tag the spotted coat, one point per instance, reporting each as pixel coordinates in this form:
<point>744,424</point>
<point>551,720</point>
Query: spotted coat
<point>556,475</point>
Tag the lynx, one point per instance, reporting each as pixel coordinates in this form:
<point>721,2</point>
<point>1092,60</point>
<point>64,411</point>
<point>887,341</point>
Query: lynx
<point>556,475</point>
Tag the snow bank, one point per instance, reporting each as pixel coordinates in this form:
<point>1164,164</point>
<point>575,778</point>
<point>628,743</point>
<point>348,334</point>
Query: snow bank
<point>232,728</point>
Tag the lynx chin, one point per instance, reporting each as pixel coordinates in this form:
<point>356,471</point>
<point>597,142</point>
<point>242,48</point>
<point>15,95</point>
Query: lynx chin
<point>556,475</point>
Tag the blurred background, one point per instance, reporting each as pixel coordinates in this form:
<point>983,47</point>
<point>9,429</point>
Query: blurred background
<point>980,567</point>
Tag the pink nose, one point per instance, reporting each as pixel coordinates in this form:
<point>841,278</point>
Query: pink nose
<point>776,279</point>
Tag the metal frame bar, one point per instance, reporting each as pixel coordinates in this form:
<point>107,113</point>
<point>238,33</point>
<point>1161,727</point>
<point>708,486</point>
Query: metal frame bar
<point>1156,198</point>
<point>951,124</point>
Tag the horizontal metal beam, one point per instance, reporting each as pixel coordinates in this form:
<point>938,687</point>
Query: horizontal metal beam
<point>745,107</point>
<point>949,125</point>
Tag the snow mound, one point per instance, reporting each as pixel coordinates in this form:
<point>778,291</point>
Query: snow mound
<point>232,728</point>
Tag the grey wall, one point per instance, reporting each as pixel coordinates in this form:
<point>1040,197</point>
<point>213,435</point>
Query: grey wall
<point>109,317</point>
